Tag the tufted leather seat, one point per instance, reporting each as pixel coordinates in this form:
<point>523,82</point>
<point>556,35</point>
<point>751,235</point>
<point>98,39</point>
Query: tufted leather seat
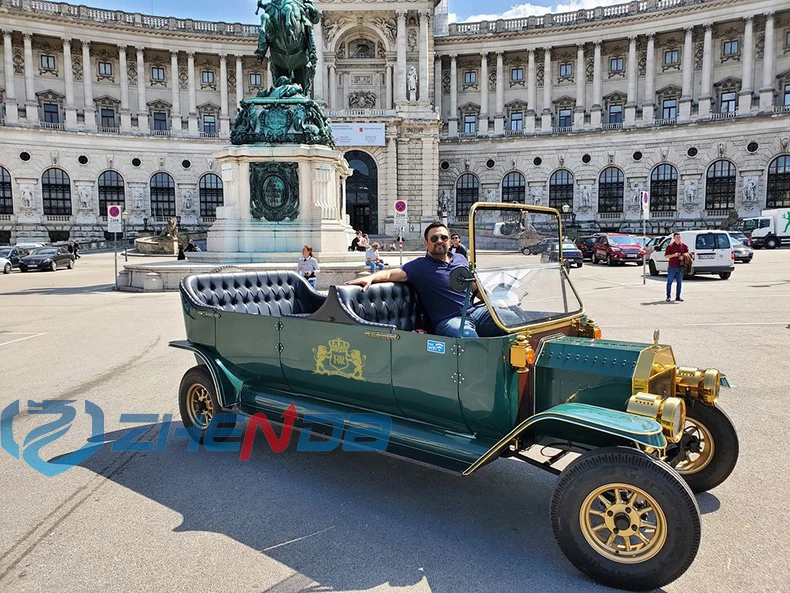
<point>387,303</point>
<point>273,293</point>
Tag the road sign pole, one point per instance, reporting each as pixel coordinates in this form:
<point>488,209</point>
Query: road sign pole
<point>401,246</point>
<point>645,210</point>
<point>115,236</point>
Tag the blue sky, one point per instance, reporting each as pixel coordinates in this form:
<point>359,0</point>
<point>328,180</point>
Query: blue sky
<point>243,10</point>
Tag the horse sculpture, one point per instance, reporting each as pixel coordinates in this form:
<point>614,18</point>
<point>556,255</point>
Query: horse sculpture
<point>286,32</point>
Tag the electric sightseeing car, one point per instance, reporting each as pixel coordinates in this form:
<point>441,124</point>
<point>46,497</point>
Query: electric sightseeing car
<point>629,432</point>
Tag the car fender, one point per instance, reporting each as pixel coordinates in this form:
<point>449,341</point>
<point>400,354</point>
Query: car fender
<point>642,431</point>
<point>226,383</point>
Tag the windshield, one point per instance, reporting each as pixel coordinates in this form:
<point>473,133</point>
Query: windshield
<point>569,246</point>
<point>518,289</point>
<point>44,252</point>
<point>622,240</point>
<point>5,252</point>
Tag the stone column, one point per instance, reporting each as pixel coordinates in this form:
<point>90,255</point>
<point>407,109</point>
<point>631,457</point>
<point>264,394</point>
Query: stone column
<point>532,93</point>
<point>332,91</point>
<point>400,84</point>
<point>630,106</point>
<point>11,106</point>
<point>482,125</point>
<point>346,82</point>
<point>707,73</point>
<point>684,110</point>
<point>193,114</point>
<point>424,65</point>
<point>499,114</point>
<point>175,94</point>
<point>68,79</point>
<point>747,68</point>
<point>597,108</point>
<point>578,113</point>
<point>769,58</point>
<point>31,104</point>
<point>87,85</point>
<point>437,84</point>
<point>142,103</point>
<point>224,117</point>
<point>545,116</point>
<point>123,65</point>
<point>388,85</point>
<point>452,121</point>
<point>239,81</point>
<point>648,104</point>
<point>318,81</point>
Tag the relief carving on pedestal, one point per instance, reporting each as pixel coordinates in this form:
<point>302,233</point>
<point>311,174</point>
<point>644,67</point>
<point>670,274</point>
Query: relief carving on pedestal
<point>362,100</point>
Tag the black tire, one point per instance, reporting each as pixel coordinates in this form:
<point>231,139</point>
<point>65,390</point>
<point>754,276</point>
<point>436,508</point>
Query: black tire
<point>707,423</point>
<point>580,264</point>
<point>7,269</point>
<point>71,264</point>
<point>616,472</point>
<point>593,259</point>
<point>53,266</point>
<point>725,275</point>
<point>197,395</point>
<point>652,267</point>
<point>640,263</point>
<point>771,243</point>
<point>525,250</point>
<point>609,261</point>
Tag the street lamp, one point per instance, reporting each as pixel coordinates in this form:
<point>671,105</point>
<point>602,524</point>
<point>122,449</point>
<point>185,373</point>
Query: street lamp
<point>125,217</point>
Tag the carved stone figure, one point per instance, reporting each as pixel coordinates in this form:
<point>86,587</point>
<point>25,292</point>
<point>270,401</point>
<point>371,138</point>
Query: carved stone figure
<point>749,191</point>
<point>412,80</point>
<point>28,202</point>
<point>85,198</point>
<point>586,197</point>
<point>286,33</point>
<point>138,201</point>
<point>362,100</point>
<point>636,197</point>
<point>188,203</point>
<point>490,195</point>
<point>690,193</point>
<point>537,196</point>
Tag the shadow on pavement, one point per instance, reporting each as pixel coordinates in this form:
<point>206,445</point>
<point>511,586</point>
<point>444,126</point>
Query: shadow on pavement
<point>356,521</point>
<point>63,290</point>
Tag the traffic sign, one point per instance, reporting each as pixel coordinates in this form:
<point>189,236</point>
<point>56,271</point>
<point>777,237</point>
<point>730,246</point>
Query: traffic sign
<point>645,205</point>
<point>114,221</point>
<point>400,207</point>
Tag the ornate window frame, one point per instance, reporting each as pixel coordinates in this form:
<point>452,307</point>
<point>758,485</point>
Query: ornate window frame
<point>157,81</point>
<point>729,36</point>
<point>617,73</point>
<point>159,106</point>
<point>516,106</point>
<point>251,85</point>
<point>50,97</point>
<point>50,55</point>
<point>786,38</point>
<point>727,85</point>
<point>567,76</point>
<point>615,98</point>
<point>208,72</point>
<point>671,45</point>
<point>474,84</point>
<point>517,81</point>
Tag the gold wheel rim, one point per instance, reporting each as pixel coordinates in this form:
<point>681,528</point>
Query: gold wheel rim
<point>199,405</point>
<point>698,460</point>
<point>623,523</point>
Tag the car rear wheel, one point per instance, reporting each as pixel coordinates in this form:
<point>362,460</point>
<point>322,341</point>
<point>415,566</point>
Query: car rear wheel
<point>708,449</point>
<point>580,264</point>
<point>53,266</point>
<point>625,519</point>
<point>640,262</point>
<point>771,243</point>
<point>525,250</point>
<point>7,269</point>
<point>609,261</point>
<point>198,402</point>
<point>71,264</point>
<point>593,259</point>
<point>725,275</point>
<point>652,267</point>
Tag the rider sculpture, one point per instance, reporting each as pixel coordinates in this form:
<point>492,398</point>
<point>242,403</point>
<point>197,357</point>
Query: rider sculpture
<point>286,32</point>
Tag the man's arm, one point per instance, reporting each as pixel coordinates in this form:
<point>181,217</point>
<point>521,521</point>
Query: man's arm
<point>394,275</point>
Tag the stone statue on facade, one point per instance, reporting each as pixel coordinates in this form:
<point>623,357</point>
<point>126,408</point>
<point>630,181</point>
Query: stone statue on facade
<point>28,202</point>
<point>690,193</point>
<point>188,204</point>
<point>138,204</point>
<point>749,191</point>
<point>411,80</point>
<point>286,33</point>
<point>537,196</point>
<point>85,198</point>
<point>585,199</point>
<point>636,195</point>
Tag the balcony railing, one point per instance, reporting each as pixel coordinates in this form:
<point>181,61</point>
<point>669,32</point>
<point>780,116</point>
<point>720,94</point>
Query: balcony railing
<point>723,115</point>
<point>58,218</point>
<point>610,215</point>
<point>515,132</point>
<point>109,129</point>
<point>361,113</point>
<point>209,134</point>
<point>669,121</point>
<point>48,125</point>
<point>208,218</point>
<point>467,135</point>
<point>561,129</point>
<point>781,108</point>
<point>617,126</point>
<point>166,133</point>
<point>5,217</point>
<point>663,214</point>
<point>717,213</point>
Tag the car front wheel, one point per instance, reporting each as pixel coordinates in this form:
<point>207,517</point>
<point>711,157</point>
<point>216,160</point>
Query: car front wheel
<point>53,266</point>
<point>725,275</point>
<point>708,451</point>
<point>525,250</point>
<point>771,243</point>
<point>653,269</point>
<point>625,519</point>
<point>7,269</point>
<point>71,264</point>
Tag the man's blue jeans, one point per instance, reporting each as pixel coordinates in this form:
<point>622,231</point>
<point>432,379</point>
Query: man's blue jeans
<point>674,274</point>
<point>479,324</point>
<point>374,265</point>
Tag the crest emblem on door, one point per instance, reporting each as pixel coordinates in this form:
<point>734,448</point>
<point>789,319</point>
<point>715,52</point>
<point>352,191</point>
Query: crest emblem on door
<point>338,360</point>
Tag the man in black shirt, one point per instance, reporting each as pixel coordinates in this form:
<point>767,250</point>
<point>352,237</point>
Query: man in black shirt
<point>456,247</point>
<point>355,242</point>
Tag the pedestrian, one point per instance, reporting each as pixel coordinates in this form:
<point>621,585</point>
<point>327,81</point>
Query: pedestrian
<point>308,265</point>
<point>372,259</point>
<point>181,254</point>
<point>364,243</point>
<point>76,250</point>
<point>355,242</point>
<point>456,246</point>
<point>675,252</point>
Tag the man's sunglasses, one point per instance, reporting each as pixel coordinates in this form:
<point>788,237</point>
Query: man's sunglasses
<point>437,238</point>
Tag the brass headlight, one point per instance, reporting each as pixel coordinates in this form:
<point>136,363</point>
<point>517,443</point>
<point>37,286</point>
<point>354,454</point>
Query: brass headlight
<point>698,384</point>
<point>669,412</point>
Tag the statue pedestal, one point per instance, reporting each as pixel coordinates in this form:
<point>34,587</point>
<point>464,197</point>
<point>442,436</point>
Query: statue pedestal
<point>277,199</point>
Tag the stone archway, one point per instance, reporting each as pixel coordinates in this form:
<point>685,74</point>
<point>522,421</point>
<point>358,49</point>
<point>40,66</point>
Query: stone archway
<point>362,192</point>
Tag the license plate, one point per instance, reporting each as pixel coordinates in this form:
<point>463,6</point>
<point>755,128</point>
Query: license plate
<point>707,255</point>
<point>631,256</point>
<point>33,266</point>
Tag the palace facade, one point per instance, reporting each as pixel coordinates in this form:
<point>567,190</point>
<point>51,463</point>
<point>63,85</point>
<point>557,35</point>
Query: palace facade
<point>686,99</point>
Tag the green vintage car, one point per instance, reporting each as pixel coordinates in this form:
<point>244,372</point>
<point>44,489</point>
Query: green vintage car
<point>629,432</point>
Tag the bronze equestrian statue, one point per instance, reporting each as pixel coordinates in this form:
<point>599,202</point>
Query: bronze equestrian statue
<point>286,32</point>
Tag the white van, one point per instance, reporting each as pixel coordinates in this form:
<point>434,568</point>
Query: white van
<point>711,253</point>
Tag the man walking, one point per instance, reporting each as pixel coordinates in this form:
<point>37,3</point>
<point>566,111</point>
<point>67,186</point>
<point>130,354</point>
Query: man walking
<point>675,252</point>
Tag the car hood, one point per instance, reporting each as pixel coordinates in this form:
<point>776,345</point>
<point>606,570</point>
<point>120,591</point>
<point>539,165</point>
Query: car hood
<point>35,259</point>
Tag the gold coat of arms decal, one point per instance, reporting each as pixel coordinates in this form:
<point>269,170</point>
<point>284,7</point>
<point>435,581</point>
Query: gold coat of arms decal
<point>338,360</point>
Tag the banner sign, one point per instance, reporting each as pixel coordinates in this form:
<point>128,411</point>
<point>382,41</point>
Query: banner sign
<point>356,134</point>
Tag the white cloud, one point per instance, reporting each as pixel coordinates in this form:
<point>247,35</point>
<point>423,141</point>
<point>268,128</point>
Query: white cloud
<point>525,10</point>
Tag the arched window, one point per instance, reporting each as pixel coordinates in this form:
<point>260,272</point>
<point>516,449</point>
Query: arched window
<point>210,188</point>
<point>778,191</point>
<point>720,186</point>
<point>111,191</point>
<point>664,189</point>
<point>361,48</point>
<point>467,192</point>
<point>561,189</point>
<point>56,192</point>
<point>6,196</point>
<point>611,186</point>
<point>163,196</point>
<point>514,188</point>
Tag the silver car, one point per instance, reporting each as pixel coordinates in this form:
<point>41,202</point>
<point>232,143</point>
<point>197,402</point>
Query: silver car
<point>743,253</point>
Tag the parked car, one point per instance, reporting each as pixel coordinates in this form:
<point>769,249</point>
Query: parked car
<point>537,248</point>
<point>651,245</point>
<point>47,258</point>
<point>630,432</point>
<point>13,255</point>
<point>616,248</point>
<point>5,265</point>
<point>743,253</point>
<point>571,254</point>
<point>29,246</point>
<point>711,253</point>
<point>740,237</point>
<point>585,245</point>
